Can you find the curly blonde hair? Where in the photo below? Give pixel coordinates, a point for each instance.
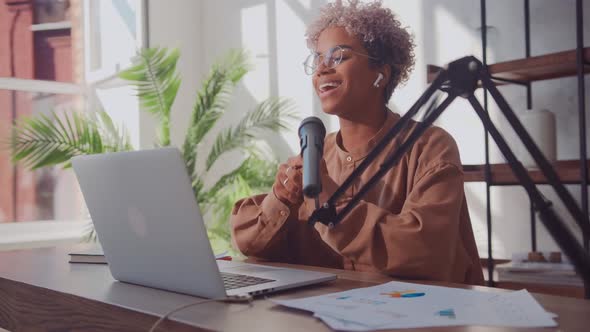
(380, 31)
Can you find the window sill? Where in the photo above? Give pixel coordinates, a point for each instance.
(51, 26)
(39, 234)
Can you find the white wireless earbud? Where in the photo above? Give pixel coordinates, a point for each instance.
(379, 78)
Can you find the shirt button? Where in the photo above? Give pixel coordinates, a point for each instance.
(349, 158)
(283, 213)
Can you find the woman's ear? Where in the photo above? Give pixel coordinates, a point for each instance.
(382, 76)
(377, 82)
(386, 71)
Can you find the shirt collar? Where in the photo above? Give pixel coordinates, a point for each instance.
(362, 151)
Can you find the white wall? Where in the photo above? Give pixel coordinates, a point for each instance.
(113, 31)
(272, 32)
(444, 30)
(176, 24)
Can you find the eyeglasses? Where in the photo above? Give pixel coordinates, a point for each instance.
(331, 59)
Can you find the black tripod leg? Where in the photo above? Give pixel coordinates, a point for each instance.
(542, 162)
(395, 157)
(393, 132)
(554, 224)
(327, 212)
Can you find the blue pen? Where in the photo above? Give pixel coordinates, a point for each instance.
(413, 295)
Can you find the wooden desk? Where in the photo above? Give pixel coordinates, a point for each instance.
(40, 290)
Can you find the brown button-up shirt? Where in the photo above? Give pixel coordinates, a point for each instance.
(413, 224)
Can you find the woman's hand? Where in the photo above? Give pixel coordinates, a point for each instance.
(288, 186)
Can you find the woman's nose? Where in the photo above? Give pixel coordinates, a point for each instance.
(322, 68)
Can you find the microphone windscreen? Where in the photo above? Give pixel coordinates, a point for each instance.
(311, 139)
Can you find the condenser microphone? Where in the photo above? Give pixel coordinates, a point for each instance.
(311, 139)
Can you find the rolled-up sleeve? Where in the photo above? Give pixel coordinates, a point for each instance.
(257, 226)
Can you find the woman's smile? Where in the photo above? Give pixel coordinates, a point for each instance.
(328, 88)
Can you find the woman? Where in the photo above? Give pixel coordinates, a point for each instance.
(414, 223)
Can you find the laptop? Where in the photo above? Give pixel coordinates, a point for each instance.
(152, 231)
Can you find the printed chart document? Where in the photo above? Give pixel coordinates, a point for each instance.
(407, 305)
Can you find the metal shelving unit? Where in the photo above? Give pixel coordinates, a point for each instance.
(524, 72)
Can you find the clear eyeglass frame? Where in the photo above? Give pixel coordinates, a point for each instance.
(331, 59)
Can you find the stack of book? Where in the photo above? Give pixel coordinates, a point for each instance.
(89, 254)
(524, 270)
(93, 254)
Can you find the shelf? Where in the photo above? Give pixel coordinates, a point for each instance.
(537, 68)
(552, 289)
(567, 170)
(559, 290)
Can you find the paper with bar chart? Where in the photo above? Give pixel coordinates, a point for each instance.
(406, 305)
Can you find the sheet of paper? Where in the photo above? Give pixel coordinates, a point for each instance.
(343, 325)
(405, 305)
(516, 308)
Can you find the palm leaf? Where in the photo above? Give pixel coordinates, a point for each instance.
(156, 80)
(47, 140)
(117, 138)
(212, 100)
(254, 176)
(256, 172)
(224, 201)
(272, 114)
(198, 189)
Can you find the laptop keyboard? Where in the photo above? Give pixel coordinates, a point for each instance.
(232, 280)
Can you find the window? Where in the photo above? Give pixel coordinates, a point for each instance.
(51, 11)
(62, 56)
(47, 193)
(113, 30)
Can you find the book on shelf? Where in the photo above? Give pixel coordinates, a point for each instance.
(522, 270)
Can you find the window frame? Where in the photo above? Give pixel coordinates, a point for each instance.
(106, 72)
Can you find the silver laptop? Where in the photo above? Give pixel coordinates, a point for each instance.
(153, 234)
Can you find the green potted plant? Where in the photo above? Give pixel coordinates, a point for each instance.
(42, 141)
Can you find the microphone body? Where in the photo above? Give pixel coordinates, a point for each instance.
(311, 139)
